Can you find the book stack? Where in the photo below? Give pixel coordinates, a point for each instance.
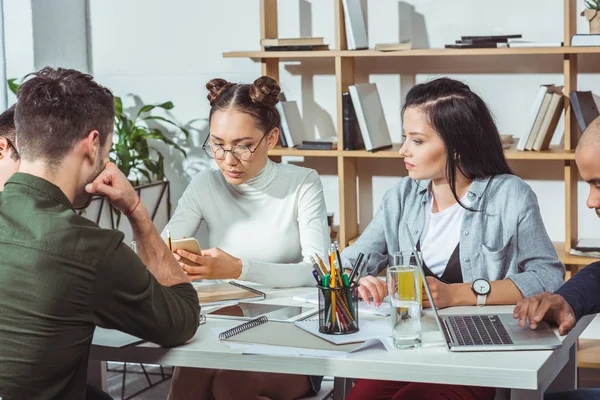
(329, 143)
(493, 41)
(543, 119)
(294, 44)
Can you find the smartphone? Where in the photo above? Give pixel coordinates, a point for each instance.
(187, 244)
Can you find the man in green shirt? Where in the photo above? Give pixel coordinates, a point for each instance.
(60, 274)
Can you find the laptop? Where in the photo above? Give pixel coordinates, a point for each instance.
(487, 332)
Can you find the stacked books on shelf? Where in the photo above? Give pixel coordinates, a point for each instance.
(587, 248)
(543, 119)
(494, 41)
(329, 143)
(580, 39)
(585, 107)
(294, 44)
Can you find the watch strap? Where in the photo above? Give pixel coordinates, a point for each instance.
(481, 299)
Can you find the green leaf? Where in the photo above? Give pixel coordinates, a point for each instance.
(13, 86)
(118, 107)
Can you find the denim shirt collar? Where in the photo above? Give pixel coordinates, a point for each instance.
(476, 189)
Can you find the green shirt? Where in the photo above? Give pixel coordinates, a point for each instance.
(60, 276)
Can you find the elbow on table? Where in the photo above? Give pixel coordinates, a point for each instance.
(176, 332)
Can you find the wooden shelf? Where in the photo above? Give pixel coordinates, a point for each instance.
(569, 259)
(531, 51)
(284, 151)
(554, 153)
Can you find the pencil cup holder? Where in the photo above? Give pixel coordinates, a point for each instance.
(338, 309)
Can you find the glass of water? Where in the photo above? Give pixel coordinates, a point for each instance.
(404, 287)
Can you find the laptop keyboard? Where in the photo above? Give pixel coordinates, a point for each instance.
(473, 330)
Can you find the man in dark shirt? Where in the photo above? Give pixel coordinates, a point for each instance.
(60, 274)
(580, 295)
(9, 158)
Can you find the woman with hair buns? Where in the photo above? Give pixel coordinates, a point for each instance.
(264, 220)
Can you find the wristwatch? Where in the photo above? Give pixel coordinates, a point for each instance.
(481, 287)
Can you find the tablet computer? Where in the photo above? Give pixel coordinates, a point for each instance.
(274, 312)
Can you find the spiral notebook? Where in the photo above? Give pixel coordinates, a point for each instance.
(227, 291)
(263, 331)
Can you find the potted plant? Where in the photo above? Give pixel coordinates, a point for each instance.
(592, 14)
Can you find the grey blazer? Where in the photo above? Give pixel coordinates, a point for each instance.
(504, 238)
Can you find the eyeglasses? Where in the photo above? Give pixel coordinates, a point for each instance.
(242, 153)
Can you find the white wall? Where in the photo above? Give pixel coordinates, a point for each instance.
(167, 51)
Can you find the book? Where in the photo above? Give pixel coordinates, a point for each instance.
(533, 112)
(539, 118)
(319, 144)
(584, 107)
(580, 39)
(227, 291)
(550, 121)
(523, 43)
(371, 119)
(356, 29)
(588, 245)
(291, 123)
(282, 141)
(309, 47)
(476, 45)
(350, 129)
(403, 45)
(301, 41)
(491, 38)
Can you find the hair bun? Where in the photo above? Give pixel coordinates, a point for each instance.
(215, 88)
(265, 92)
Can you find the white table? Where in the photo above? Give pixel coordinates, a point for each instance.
(528, 374)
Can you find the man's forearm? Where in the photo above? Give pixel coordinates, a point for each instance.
(153, 251)
(582, 291)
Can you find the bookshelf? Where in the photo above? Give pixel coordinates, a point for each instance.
(347, 161)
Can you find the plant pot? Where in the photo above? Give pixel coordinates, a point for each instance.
(593, 17)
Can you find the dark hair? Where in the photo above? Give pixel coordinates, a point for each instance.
(465, 124)
(257, 100)
(56, 108)
(8, 130)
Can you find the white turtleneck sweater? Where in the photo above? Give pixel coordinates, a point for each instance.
(273, 222)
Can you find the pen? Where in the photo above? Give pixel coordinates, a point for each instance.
(316, 275)
(356, 265)
(169, 239)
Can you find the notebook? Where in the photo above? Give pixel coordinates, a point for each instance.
(227, 291)
(263, 331)
(368, 329)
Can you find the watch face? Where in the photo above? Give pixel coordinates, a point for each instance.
(481, 286)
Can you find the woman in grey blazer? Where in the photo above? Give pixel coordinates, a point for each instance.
(472, 218)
